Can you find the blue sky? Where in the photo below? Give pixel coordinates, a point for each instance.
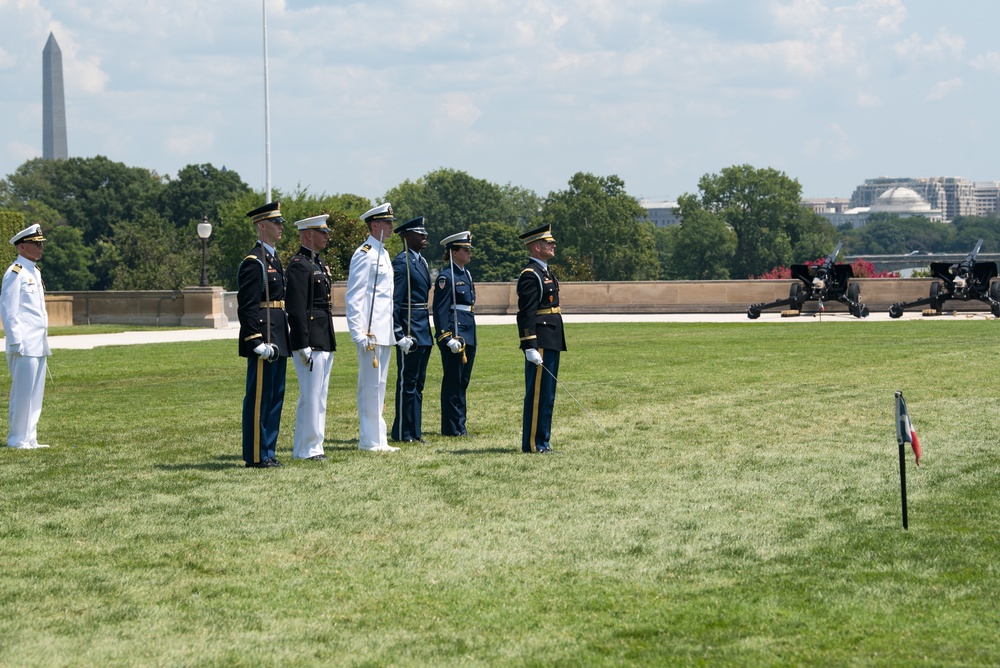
(365, 95)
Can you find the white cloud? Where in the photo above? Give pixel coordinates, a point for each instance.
(184, 142)
(944, 47)
(944, 89)
(868, 100)
(989, 62)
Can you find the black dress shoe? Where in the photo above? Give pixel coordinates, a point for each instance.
(415, 440)
(317, 458)
(265, 464)
(274, 462)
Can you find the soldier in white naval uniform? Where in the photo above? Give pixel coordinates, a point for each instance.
(368, 303)
(26, 327)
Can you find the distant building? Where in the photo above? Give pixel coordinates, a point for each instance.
(953, 196)
(54, 145)
(661, 214)
(898, 200)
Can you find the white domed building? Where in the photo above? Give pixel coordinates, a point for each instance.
(903, 202)
(897, 200)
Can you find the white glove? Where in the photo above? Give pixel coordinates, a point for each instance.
(533, 356)
(406, 343)
(367, 340)
(267, 351)
(305, 354)
(454, 345)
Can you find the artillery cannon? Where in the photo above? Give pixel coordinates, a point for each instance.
(964, 281)
(819, 283)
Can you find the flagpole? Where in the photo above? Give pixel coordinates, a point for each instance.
(267, 113)
(902, 466)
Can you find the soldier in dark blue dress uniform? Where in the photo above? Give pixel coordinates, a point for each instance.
(411, 320)
(263, 338)
(455, 330)
(540, 326)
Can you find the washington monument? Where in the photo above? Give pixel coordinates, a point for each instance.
(53, 103)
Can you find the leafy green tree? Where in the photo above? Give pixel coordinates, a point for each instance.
(760, 206)
(11, 222)
(969, 229)
(498, 254)
(600, 230)
(198, 191)
(151, 254)
(68, 262)
(452, 201)
(664, 238)
(812, 236)
(886, 233)
(701, 247)
(92, 194)
(233, 236)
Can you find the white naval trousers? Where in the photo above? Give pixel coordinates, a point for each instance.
(310, 411)
(371, 396)
(26, 391)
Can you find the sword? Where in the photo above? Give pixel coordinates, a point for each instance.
(566, 390)
(454, 304)
(371, 310)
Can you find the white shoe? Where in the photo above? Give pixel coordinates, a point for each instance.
(379, 448)
(39, 445)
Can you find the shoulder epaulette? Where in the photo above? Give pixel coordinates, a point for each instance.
(16, 268)
(366, 247)
(527, 269)
(250, 257)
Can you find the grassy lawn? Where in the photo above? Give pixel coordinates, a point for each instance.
(743, 511)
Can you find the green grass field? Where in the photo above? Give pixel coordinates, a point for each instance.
(743, 511)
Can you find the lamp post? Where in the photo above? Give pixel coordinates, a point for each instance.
(204, 232)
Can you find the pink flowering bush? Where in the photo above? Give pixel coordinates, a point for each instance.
(862, 269)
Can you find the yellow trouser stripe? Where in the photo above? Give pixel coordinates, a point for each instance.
(256, 410)
(534, 406)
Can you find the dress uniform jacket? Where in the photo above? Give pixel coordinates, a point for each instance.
(251, 296)
(310, 323)
(265, 382)
(539, 321)
(368, 259)
(410, 296)
(457, 374)
(370, 265)
(445, 315)
(26, 328)
(540, 326)
(309, 303)
(411, 318)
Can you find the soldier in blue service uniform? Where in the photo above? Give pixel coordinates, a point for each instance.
(411, 320)
(263, 338)
(310, 323)
(540, 326)
(455, 331)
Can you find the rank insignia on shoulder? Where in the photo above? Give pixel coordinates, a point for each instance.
(366, 247)
(442, 282)
(16, 268)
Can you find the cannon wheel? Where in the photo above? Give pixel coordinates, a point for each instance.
(895, 311)
(995, 291)
(935, 296)
(854, 292)
(795, 296)
(753, 312)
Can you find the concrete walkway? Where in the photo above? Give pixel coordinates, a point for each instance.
(89, 341)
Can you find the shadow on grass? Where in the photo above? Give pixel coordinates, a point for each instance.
(485, 451)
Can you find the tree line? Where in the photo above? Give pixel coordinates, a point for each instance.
(112, 226)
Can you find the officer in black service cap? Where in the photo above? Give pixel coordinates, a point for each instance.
(455, 330)
(540, 326)
(263, 338)
(411, 320)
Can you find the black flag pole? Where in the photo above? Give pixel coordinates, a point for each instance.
(900, 430)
